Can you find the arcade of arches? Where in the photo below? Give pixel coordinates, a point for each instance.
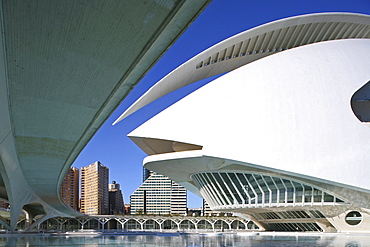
(146, 223)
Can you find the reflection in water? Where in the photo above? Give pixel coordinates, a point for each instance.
(192, 240)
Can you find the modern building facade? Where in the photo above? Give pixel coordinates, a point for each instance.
(283, 137)
(116, 205)
(4, 205)
(127, 208)
(178, 199)
(146, 174)
(159, 195)
(206, 209)
(70, 188)
(94, 189)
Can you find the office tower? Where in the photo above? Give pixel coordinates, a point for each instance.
(116, 205)
(158, 195)
(146, 173)
(70, 188)
(206, 209)
(127, 208)
(178, 199)
(4, 205)
(94, 189)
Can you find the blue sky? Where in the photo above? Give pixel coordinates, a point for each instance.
(220, 20)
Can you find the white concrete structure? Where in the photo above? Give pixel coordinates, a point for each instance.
(282, 139)
(149, 223)
(64, 67)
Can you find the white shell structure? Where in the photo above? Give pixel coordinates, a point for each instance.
(282, 139)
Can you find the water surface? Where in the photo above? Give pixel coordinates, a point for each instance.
(190, 240)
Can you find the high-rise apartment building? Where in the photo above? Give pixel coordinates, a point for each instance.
(116, 205)
(178, 199)
(127, 208)
(4, 205)
(158, 195)
(70, 188)
(94, 189)
(146, 174)
(206, 209)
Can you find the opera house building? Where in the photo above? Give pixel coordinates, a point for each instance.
(282, 135)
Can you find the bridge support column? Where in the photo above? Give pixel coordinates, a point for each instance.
(83, 222)
(4, 223)
(103, 221)
(122, 222)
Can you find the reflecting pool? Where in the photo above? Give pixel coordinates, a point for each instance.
(187, 240)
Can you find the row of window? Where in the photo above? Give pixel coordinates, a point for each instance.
(228, 189)
(298, 214)
(294, 227)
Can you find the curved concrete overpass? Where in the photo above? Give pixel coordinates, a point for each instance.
(64, 67)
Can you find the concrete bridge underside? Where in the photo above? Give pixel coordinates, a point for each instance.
(64, 67)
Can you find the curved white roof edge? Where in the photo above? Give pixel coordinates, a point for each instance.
(182, 165)
(254, 44)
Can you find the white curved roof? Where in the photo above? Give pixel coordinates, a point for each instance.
(254, 44)
(296, 117)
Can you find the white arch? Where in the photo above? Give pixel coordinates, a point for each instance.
(254, 44)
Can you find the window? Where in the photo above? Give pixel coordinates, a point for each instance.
(353, 218)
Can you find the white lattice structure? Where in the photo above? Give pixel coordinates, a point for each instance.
(150, 223)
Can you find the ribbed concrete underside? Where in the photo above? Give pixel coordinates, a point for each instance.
(65, 66)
